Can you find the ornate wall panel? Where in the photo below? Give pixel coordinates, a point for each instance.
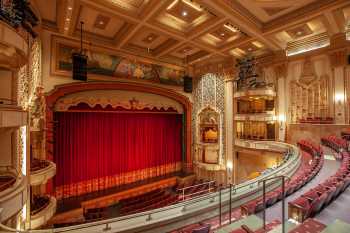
(22, 92)
(310, 90)
(209, 91)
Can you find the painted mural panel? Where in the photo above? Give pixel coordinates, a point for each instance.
(116, 66)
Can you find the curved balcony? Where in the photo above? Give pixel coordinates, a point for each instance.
(261, 145)
(12, 117)
(210, 167)
(269, 116)
(13, 198)
(268, 91)
(6, 181)
(14, 48)
(42, 209)
(41, 171)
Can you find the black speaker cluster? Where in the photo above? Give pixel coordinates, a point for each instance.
(187, 84)
(79, 66)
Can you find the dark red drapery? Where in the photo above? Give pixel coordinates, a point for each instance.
(98, 150)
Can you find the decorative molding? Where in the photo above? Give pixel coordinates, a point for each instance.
(281, 70)
(223, 67)
(43, 175)
(338, 57)
(117, 98)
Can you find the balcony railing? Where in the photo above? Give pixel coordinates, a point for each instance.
(41, 171)
(234, 194)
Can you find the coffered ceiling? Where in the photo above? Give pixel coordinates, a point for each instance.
(184, 32)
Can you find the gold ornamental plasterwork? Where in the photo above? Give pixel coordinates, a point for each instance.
(309, 94)
(338, 58)
(118, 98)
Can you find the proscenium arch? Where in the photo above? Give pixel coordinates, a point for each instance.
(66, 89)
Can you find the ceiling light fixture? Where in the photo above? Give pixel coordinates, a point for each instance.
(299, 33)
(101, 22)
(250, 49)
(191, 4)
(231, 28)
(67, 19)
(172, 4)
(222, 34)
(70, 8)
(184, 13)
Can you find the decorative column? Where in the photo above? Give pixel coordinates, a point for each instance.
(229, 129)
(338, 64)
(281, 105)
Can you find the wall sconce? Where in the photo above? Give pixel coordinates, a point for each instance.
(281, 119)
(339, 98)
(229, 166)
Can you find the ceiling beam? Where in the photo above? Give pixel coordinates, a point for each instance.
(75, 15)
(330, 23)
(306, 13)
(154, 7)
(202, 30)
(246, 24)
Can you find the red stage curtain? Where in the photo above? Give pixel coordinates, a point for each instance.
(98, 150)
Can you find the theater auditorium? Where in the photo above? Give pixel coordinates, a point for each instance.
(175, 116)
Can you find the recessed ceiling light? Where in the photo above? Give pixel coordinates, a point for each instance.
(222, 34)
(70, 8)
(184, 13)
(150, 38)
(67, 19)
(299, 33)
(101, 22)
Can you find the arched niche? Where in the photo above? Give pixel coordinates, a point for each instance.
(208, 136)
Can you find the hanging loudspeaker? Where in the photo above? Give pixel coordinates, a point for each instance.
(187, 84)
(79, 67)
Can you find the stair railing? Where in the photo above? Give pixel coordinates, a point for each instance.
(283, 179)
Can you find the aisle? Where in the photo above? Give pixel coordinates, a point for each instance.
(329, 167)
(338, 209)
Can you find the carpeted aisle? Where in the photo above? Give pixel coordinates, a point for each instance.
(338, 209)
(329, 167)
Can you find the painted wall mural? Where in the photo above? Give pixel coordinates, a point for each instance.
(100, 63)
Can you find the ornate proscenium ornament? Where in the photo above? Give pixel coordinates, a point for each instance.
(18, 13)
(247, 75)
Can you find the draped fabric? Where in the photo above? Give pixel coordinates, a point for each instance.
(98, 150)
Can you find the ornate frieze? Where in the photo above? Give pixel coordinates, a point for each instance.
(118, 98)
